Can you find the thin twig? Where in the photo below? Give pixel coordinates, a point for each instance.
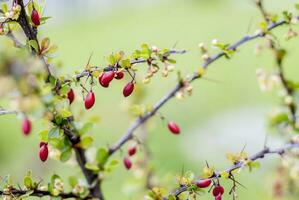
(142, 119)
(40, 193)
(259, 155)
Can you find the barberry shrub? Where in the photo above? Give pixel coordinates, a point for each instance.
(39, 94)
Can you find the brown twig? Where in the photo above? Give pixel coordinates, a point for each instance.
(241, 164)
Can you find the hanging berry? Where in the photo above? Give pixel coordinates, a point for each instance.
(43, 152)
(204, 183)
(128, 89)
(174, 128)
(106, 78)
(89, 100)
(132, 151)
(127, 163)
(71, 95)
(26, 126)
(119, 75)
(218, 190)
(35, 17)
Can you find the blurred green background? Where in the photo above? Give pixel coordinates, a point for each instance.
(218, 118)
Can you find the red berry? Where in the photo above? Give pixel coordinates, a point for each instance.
(119, 75)
(128, 89)
(42, 144)
(218, 190)
(204, 183)
(89, 100)
(100, 78)
(173, 127)
(132, 151)
(71, 96)
(43, 152)
(106, 78)
(26, 126)
(35, 17)
(219, 197)
(127, 163)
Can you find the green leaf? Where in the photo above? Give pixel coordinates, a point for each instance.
(172, 61)
(189, 175)
(34, 45)
(28, 182)
(92, 167)
(45, 43)
(111, 59)
(73, 181)
(126, 63)
(4, 7)
(66, 155)
(86, 142)
(279, 118)
(86, 127)
(44, 19)
(171, 197)
(51, 50)
(297, 6)
(111, 165)
(54, 133)
(65, 113)
(43, 135)
(102, 156)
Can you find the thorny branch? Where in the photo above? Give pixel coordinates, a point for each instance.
(93, 179)
(142, 119)
(259, 155)
(38, 193)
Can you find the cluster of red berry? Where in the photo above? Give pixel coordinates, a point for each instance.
(104, 79)
(127, 162)
(218, 190)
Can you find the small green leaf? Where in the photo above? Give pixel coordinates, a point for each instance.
(92, 167)
(4, 7)
(86, 142)
(54, 133)
(28, 182)
(34, 45)
(43, 135)
(51, 50)
(86, 127)
(73, 181)
(65, 113)
(66, 155)
(45, 43)
(102, 156)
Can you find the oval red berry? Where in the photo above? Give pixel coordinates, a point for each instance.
(106, 78)
(174, 128)
(204, 183)
(35, 17)
(26, 126)
(218, 190)
(132, 151)
(127, 163)
(128, 89)
(71, 96)
(89, 100)
(119, 75)
(43, 153)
